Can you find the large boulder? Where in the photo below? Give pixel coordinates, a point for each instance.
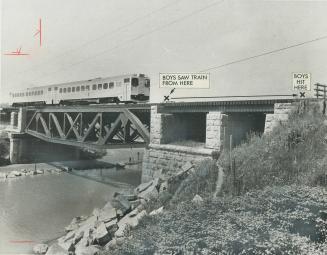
(75, 223)
(101, 235)
(157, 211)
(128, 195)
(112, 226)
(122, 204)
(89, 250)
(40, 248)
(142, 187)
(107, 214)
(130, 220)
(39, 171)
(56, 249)
(135, 203)
(71, 238)
(111, 245)
(14, 174)
(149, 194)
(96, 212)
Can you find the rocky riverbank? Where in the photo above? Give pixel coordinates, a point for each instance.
(27, 172)
(109, 227)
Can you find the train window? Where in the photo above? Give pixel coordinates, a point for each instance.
(60, 90)
(94, 86)
(77, 88)
(99, 86)
(147, 83)
(126, 80)
(87, 87)
(105, 85)
(111, 85)
(135, 82)
(41, 92)
(69, 89)
(82, 88)
(65, 90)
(55, 88)
(26, 94)
(49, 89)
(73, 89)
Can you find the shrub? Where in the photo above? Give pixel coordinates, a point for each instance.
(292, 153)
(201, 181)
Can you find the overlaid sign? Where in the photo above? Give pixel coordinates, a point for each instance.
(184, 80)
(301, 81)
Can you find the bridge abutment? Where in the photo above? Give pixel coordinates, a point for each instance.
(202, 133)
(280, 115)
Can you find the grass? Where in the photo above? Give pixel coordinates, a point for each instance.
(293, 153)
(276, 220)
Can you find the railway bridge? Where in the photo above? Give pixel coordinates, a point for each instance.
(173, 132)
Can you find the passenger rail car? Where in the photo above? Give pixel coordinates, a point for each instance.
(124, 88)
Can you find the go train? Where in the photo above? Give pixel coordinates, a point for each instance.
(125, 88)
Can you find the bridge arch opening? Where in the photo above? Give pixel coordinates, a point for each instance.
(241, 125)
(186, 129)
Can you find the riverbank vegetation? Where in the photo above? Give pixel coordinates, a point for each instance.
(273, 198)
(4, 151)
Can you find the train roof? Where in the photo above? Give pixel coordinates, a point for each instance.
(94, 79)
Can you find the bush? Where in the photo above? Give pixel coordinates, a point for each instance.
(4, 151)
(201, 181)
(292, 153)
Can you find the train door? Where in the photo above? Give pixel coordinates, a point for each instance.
(125, 92)
(54, 93)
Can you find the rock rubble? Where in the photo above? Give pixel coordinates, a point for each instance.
(108, 227)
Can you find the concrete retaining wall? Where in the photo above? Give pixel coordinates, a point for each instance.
(164, 160)
(280, 115)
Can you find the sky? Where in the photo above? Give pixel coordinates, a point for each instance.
(84, 39)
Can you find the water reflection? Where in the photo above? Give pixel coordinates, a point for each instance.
(36, 209)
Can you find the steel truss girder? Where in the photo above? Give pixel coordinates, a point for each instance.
(95, 130)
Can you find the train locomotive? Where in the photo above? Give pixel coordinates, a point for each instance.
(132, 88)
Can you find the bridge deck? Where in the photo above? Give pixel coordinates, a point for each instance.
(263, 105)
(89, 108)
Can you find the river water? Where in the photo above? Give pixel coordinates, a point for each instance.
(36, 209)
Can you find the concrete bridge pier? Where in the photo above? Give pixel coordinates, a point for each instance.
(19, 146)
(216, 130)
